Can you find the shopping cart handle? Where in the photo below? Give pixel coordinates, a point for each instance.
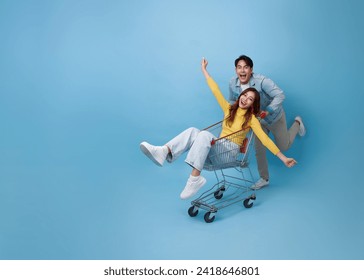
(263, 114)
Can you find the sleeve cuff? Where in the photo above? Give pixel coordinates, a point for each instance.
(270, 109)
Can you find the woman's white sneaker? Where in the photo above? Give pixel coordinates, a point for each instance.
(157, 154)
(194, 184)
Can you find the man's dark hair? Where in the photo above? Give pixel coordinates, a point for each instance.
(247, 60)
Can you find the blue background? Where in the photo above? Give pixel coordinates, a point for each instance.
(84, 82)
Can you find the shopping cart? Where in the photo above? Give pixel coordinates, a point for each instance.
(230, 163)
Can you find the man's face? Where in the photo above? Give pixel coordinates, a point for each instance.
(243, 71)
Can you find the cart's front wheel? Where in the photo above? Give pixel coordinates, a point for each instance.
(193, 211)
(209, 217)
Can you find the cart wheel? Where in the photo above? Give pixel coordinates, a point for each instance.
(192, 212)
(247, 203)
(209, 219)
(218, 194)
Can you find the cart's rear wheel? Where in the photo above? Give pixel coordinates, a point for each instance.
(193, 211)
(209, 217)
(219, 193)
(247, 203)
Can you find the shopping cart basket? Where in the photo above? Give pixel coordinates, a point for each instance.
(230, 163)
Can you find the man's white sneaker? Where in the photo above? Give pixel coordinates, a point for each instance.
(194, 184)
(157, 154)
(260, 184)
(302, 130)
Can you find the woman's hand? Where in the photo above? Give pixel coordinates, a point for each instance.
(204, 63)
(289, 162)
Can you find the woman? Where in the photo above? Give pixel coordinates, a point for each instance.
(239, 116)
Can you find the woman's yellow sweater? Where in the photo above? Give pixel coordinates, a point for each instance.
(239, 120)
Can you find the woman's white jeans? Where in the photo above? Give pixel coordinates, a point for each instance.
(198, 144)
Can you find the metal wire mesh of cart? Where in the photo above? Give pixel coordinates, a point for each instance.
(229, 159)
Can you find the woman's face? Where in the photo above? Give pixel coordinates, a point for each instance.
(246, 100)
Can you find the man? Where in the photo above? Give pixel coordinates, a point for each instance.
(271, 103)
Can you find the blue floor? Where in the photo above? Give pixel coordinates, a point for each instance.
(94, 209)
